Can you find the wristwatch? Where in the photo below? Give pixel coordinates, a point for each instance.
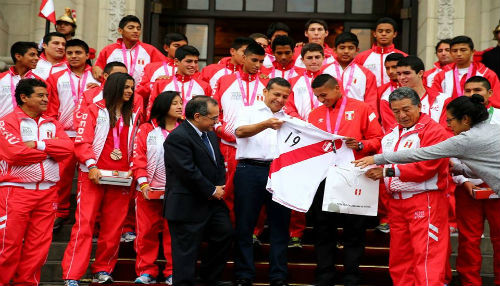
(389, 172)
(360, 146)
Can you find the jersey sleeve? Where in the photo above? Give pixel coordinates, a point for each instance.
(53, 105)
(13, 150)
(140, 157)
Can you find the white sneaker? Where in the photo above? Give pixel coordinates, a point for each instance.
(169, 280)
(145, 279)
(103, 278)
(128, 237)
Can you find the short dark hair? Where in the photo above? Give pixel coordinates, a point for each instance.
(279, 81)
(404, 92)
(78, 43)
(277, 26)
(311, 47)
(198, 104)
(48, 37)
(21, 48)
(174, 37)
(316, 21)
(347, 37)
(471, 106)
(282, 41)
(255, 49)
(414, 62)
(161, 106)
(394, 57)
(324, 79)
(27, 86)
(443, 41)
(127, 19)
(387, 20)
(109, 66)
(462, 40)
(484, 81)
(256, 36)
(186, 50)
(241, 41)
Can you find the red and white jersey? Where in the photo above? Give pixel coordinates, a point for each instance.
(358, 82)
(31, 168)
(288, 72)
(269, 57)
(92, 131)
(213, 72)
(374, 58)
(302, 99)
(451, 81)
(328, 52)
(65, 90)
(8, 83)
(135, 58)
(355, 119)
(430, 74)
(387, 118)
(233, 92)
(148, 164)
(153, 71)
(187, 86)
(44, 68)
(415, 178)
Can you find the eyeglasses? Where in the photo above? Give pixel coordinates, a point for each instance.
(214, 118)
(449, 120)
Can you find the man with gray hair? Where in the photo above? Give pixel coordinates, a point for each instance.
(418, 214)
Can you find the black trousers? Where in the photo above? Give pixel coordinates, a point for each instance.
(325, 242)
(249, 195)
(186, 237)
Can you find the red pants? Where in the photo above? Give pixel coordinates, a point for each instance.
(63, 187)
(25, 215)
(130, 220)
(452, 218)
(229, 153)
(150, 222)
(112, 203)
(419, 239)
(471, 214)
(383, 204)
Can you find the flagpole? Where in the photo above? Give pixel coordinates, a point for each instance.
(47, 27)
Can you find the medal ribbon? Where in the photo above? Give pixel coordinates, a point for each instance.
(81, 81)
(117, 130)
(133, 59)
(458, 87)
(245, 95)
(184, 96)
(314, 103)
(13, 90)
(165, 67)
(339, 117)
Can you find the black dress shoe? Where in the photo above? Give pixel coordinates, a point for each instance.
(243, 282)
(223, 283)
(279, 283)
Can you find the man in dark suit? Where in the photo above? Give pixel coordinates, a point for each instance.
(194, 208)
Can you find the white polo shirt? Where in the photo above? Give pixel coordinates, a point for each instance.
(264, 145)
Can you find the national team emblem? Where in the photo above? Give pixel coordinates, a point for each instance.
(50, 134)
(357, 192)
(408, 144)
(327, 146)
(320, 120)
(349, 115)
(354, 81)
(141, 62)
(260, 97)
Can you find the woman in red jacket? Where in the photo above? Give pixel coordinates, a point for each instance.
(149, 171)
(104, 140)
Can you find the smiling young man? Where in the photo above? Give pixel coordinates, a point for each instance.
(32, 145)
(65, 92)
(25, 57)
(283, 64)
(316, 32)
(451, 81)
(256, 134)
(129, 50)
(184, 82)
(444, 58)
(384, 34)
(234, 91)
(52, 58)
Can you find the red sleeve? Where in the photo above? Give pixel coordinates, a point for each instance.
(144, 87)
(372, 133)
(53, 105)
(436, 84)
(371, 96)
(222, 130)
(290, 107)
(154, 53)
(386, 115)
(140, 158)
(423, 171)
(361, 57)
(158, 87)
(85, 134)
(61, 147)
(494, 100)
(13, 150)
(103, 57)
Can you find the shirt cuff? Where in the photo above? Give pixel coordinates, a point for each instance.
(397, 172)
(215, 190)
(90, 162)
(141, 180)
(40, 145)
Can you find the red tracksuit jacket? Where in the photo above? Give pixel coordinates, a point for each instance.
(8, 82)
(374, 58)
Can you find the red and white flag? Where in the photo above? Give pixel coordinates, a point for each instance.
(47, 11)
(306, 152)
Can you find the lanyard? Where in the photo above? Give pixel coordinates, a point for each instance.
(77, 94)
(339, 116)
(117, 130)
(314, 103)
(244, 95)
(133, 59)
(186, 96)
(13, 90)
(457, 80)
(165, 67)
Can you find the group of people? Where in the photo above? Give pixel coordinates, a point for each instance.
(199, 147)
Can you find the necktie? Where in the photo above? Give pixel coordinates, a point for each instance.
(204, 137)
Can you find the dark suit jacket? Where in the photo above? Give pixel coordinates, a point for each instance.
(191, 174)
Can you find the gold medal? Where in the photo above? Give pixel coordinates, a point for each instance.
(116, 154)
